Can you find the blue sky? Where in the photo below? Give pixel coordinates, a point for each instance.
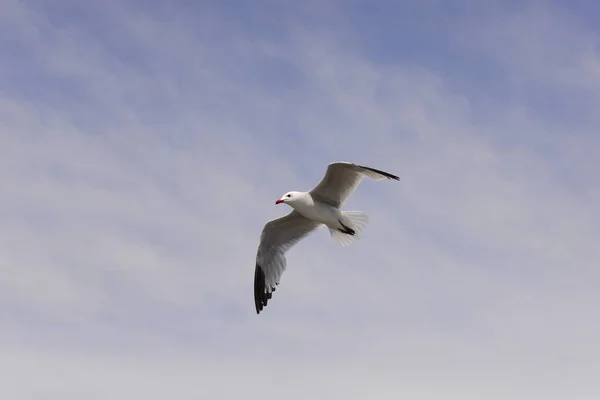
(142, 145)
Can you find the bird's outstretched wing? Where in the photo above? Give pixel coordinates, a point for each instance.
(278, 236)
(341, 179)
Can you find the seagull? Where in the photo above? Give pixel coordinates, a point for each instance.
(320, 206)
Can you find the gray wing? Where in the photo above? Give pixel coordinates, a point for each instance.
(278, 236)
(341, 179)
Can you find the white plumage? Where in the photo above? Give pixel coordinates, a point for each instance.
(320, 206)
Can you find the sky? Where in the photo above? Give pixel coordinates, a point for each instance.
(142, 147)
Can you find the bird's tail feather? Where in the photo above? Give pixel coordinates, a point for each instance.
(356, 221)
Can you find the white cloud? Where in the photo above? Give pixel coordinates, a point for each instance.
(132, 199)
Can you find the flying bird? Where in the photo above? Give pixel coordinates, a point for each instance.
(320, 206)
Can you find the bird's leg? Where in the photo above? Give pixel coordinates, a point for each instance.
(347, 229)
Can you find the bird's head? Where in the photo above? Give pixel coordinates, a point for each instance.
(288, 198)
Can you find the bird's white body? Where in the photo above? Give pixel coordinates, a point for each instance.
(316, 211)
(320, 206)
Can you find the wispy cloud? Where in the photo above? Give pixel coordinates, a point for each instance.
(141, 149)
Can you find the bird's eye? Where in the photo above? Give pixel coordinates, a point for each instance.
(289, 195)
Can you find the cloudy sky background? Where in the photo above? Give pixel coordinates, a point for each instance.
(142, 145)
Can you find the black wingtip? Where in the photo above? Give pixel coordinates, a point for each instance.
(261, 297)
(386, 174)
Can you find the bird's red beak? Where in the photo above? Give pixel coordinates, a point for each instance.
(279, 201)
